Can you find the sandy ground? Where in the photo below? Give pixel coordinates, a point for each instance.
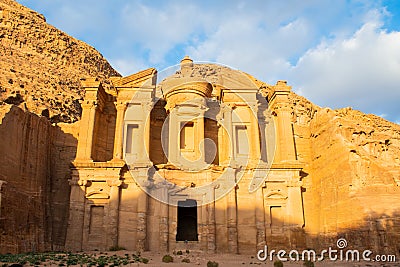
(225, 260)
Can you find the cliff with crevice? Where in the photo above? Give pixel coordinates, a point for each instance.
(40, 97)
(34, 173)
(41, 66)
(351, 175)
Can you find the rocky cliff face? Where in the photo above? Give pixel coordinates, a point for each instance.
(41, 66)
(40, 75)
(34, 172)
(351, 160)
(352, 172)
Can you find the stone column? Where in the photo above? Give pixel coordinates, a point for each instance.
(86, 132)
(295, 204)
(199, 143)
(254, 137)
(227, 124)
(147, 110)
(173, 142)
(141, 234)
(203, 227)
(232, 216)
(76, 220)
(119, 124)
(285, 133)
(260, 220)
(142, 222)
(113, 215)
(280, 105)
(212, 229)
(164, 227)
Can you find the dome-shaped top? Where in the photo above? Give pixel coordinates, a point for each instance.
(188, 85)
(195, 76)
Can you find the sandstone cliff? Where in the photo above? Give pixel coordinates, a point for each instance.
(351, 160)
(34, 171)
(40, 75)
(41, 66)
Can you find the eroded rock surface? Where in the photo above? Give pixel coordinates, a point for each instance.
(41, 66)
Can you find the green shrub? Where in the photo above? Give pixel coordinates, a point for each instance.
(145, 260)
(308, 263)
(116, 248)
(186, 260)
(187, 251)
(278, 264)
(179, 252)
(212, 264)
(167, 258)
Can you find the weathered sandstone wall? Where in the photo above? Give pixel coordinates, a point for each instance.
(352, 167)
(34, 168)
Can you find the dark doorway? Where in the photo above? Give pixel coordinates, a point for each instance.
(187, 221)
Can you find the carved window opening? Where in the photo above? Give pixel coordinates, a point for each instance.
(187, 221)
(187, 136)
(132, 135)
(242, 141)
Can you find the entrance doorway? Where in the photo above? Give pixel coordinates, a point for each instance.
(187, 221)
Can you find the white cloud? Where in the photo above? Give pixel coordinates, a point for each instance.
(334, 53)
(361, 71)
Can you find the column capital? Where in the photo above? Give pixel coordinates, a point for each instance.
(79, 182)
(282, 107)
(112, 183)
(121, 105)
(83, 183)
(89, 104)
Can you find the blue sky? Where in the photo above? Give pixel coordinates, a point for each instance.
(337, 53)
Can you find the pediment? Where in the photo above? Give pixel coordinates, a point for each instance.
(139, 79)
(237, 80)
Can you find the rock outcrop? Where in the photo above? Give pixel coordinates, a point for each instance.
(41, 66)
(40, 73)
(351, 178)
(34, 173)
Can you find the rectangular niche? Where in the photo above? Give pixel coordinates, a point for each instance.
(132, 135)
(242, 140)
(96, 224)
(187, 136)
(276, 219)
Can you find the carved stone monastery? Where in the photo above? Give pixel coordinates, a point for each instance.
(203, 158)
(206, 164)
(193, 148)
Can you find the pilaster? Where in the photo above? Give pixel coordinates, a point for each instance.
(279, 105)
(95, 98)
(113, 215)
(76, 220)
(118, 150)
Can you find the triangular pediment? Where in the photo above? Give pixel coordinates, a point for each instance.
(136, 80)
(239, 81)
